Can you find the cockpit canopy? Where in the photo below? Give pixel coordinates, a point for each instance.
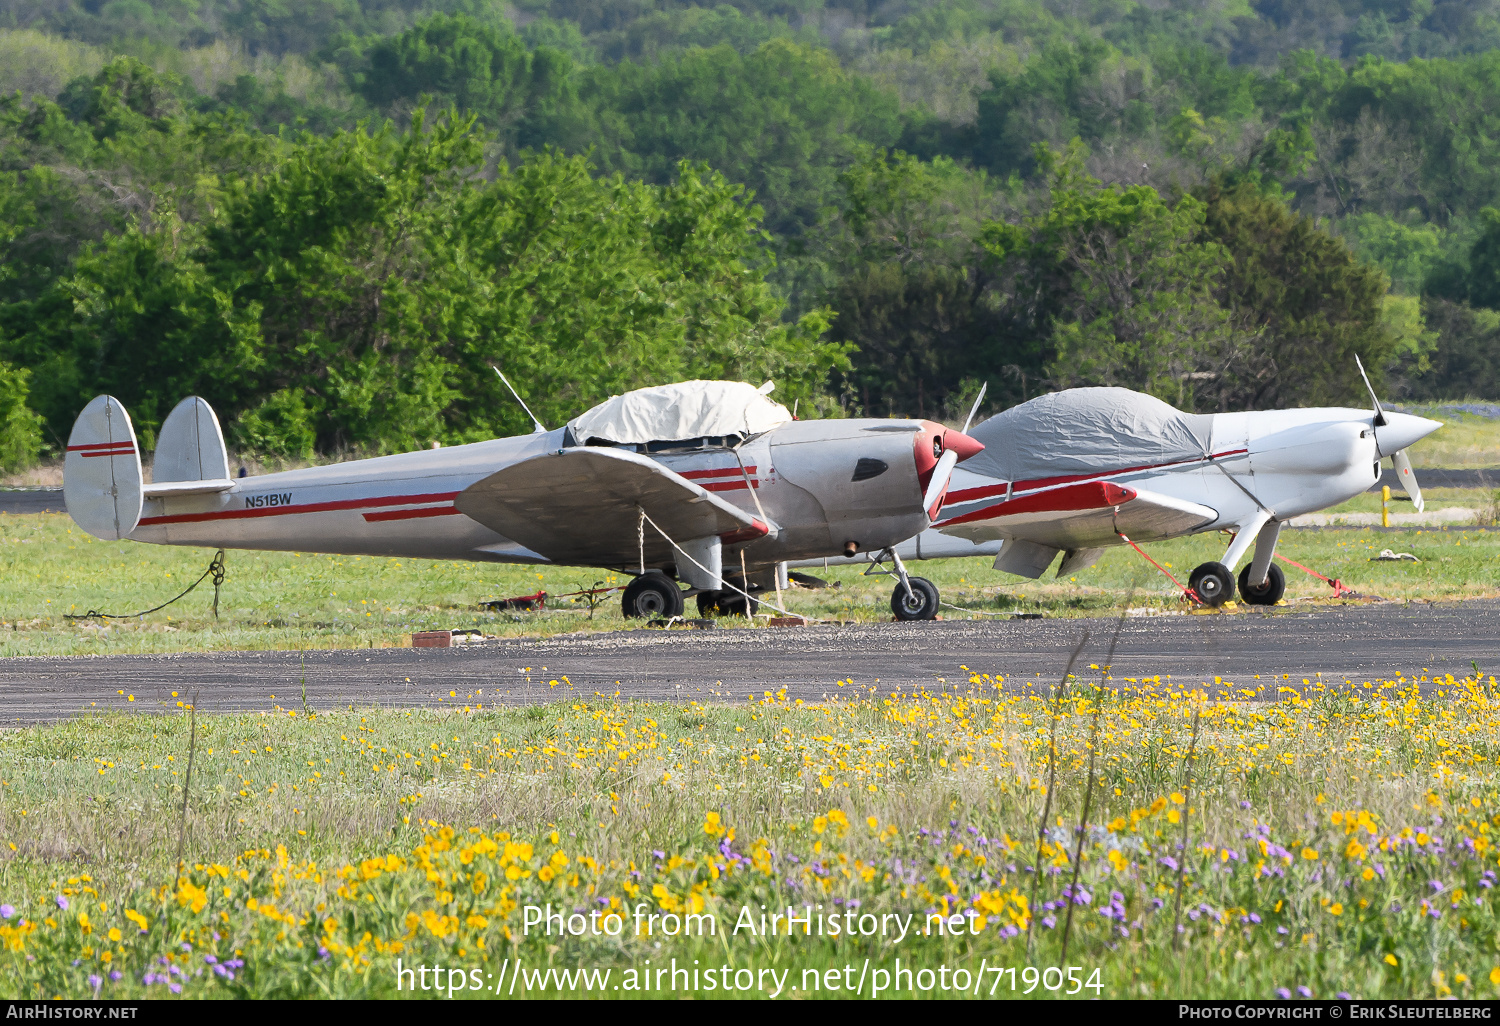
(681, 416)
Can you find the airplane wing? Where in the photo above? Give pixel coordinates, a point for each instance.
(1077, 516)
(582, 506)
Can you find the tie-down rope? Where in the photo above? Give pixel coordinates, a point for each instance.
(215, 568)
(646, 519)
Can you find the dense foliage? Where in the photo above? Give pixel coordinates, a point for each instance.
(330, 218)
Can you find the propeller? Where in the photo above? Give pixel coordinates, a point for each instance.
(953, 451)
(939, 483)
(1402, 463)
(1399, 459)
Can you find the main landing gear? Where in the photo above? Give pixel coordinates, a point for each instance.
(653, 594)
(1212, 583)
(915, 598)
(728, 602)
(1267, 594)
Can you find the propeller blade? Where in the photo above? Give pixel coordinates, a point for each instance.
(939, 483)
(1408, 480)
(982, 389)
(1379, 411)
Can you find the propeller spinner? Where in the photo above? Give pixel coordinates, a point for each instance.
(950, 448)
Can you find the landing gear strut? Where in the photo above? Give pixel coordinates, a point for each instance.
(1212, 583)
(1267, 594)
(915, 598)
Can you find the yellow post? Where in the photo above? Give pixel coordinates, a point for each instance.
(1385, 505)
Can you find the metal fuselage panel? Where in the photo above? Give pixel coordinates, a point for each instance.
(403, 505)
(387, 506)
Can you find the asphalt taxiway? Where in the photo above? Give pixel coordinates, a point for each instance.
(1356, 641)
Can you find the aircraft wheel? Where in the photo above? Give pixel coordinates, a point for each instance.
(725, 603)
(921, 604)
(1213, 583)
(1267, 594)
(652, 594)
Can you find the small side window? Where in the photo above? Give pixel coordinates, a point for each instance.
(867, 468)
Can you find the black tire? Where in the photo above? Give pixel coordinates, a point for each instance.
(1267, 594)
(921, 604)
(725, 603)
(652, 594)
(1212, 583)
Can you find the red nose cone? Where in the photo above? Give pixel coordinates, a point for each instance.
(955, 441)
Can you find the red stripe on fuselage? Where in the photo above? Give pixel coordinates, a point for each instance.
(411, 514)
(1068, 499)
(986, 491)
(695, 475)
(310, 507)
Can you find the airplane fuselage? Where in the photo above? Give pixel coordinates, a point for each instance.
(804, 475)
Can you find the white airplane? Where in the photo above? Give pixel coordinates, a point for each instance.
(1077, 471)
(701, 480)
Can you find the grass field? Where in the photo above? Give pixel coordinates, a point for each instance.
(284, 600)
(1293, 838)
(1466, 441)
(1305, 839)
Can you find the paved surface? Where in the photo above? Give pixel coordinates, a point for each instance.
(1436, 477)
(33, 500)
(1355, 640)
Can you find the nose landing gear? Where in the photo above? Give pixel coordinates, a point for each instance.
(915, 598)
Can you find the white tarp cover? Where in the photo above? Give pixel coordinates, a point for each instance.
(680, 411)
(1087, 431)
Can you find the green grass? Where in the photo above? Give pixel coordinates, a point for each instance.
(286, 600)
(317, 851)
(1465, 441)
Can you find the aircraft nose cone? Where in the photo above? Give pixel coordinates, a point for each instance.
(1401, 430)
(962, 444)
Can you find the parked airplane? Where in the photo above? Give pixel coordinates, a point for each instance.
(1077, 471)
(700, 480)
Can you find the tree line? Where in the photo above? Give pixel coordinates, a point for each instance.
(336, 233)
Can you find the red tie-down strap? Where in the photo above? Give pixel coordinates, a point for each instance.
(1339, 590)
(1187, 593)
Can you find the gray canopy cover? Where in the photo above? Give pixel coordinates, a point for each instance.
(1087, 431)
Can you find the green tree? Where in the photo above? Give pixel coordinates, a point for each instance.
(484, 69)
(1123, 284)
(1300, 290)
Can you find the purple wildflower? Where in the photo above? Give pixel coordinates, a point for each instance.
(1305, 992)
(62, 903)
(1283, 993)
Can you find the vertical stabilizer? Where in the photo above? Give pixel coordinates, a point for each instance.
(190, 446)
(102, 471)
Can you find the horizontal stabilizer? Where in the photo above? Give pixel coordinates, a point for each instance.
(582, 507)
(102, 471)
(160, 490)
